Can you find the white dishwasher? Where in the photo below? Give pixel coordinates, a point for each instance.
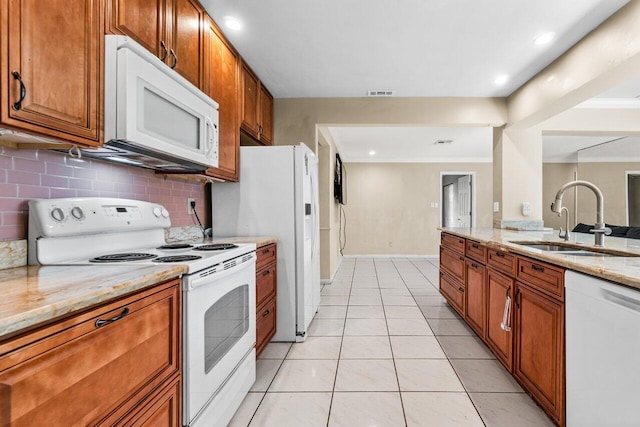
(603, 352)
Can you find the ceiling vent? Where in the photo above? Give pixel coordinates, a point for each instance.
(381, 93)
(443, 141)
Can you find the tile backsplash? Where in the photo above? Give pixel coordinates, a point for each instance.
(29, 174)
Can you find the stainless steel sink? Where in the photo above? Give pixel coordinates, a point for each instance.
(574, 249)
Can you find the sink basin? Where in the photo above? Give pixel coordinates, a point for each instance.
(574, 250)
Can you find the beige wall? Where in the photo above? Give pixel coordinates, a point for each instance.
(610, 178)
(390, 203)
(555, 175)
(329, 226)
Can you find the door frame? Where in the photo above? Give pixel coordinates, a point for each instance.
(474, 184)
(626, 192)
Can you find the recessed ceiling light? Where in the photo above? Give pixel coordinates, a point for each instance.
(544, 39)
(501, 79)
(372, 153)
(232, 23)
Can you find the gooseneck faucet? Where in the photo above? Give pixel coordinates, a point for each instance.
(600, 230)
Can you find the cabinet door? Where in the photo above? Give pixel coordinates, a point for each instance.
(84, 370)
(250, 88)
(476, 310)
(162, 409)
(266, 320)
(221, 84)
(266, 116)
(185, 49)
(55, 48)
(539, 352)
(145, 21)
(500, 341)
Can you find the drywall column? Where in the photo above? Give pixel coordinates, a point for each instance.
(517, 176)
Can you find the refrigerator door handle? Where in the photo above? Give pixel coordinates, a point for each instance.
(315, 216)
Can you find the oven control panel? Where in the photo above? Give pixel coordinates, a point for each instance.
(90, 215)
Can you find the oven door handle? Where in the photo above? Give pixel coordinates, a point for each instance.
(196, 280)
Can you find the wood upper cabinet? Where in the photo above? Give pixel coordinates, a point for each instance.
(499, 287)
(221, 83)
(475, 295)
(266, 116)
(51, 68)
(539, 348)
(257, 107)
(172, 29)
(250, 102)
(97, 367)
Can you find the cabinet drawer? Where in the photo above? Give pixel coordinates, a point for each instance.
(266, 255)
(162, 409)
(265, 284)
(452, 263)
(453, 291)
(79, 374)
(453, 242)
(502, 261)
(476, 251)
(266, 325)
(545, 277)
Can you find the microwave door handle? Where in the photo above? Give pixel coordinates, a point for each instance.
(211, 136)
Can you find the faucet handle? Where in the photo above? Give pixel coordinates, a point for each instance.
(605, 230)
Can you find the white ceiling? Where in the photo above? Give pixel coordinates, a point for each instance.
(571, 149)
(334, 48)
(413, 144)
(337, 48)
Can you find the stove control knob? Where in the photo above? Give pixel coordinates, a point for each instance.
(57, 214)
(77, 213)
(165, 213)
(157, 212)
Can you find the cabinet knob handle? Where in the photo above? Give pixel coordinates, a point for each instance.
(23, 91)
(175, 59)
(461, 258)
(265, 251)
(500, 254)
(266, 313)
(474, 265)
(474, 246)
(461, 289)
(104, 322)
(265, 273)
(165, 51)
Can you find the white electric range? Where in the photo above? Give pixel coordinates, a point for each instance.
(218, 289)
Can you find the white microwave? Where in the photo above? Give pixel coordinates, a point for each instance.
(154, 117)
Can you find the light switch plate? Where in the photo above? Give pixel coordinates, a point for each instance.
(496, 206)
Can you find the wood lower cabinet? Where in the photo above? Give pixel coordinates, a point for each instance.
(499, 288)
(221, 83)
(266, 295)
(532, 347)
(51, 68)
(475, 297)
(539, 348)
(102, 367)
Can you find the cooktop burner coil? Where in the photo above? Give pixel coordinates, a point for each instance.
(176, 246)
(177, 258)
(216, 247)
(123, 257)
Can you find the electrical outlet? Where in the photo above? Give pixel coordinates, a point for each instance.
(526, 208)
(190, 201)
(496, 206)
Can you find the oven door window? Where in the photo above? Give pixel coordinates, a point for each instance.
(225, 322)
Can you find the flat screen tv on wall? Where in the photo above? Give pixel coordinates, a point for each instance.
(340, 182)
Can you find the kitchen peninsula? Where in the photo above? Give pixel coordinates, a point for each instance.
(513, 289)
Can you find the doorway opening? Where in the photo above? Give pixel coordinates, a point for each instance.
(457, 199)
(633, 198)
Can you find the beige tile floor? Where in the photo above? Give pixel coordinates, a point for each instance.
(385, 350)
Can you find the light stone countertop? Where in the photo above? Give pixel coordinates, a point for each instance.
(35, 295)
(623, 270)
(260, 241)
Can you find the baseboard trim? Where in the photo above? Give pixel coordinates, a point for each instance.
(390, 256)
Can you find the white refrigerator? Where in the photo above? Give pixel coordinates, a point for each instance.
(277, 195)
